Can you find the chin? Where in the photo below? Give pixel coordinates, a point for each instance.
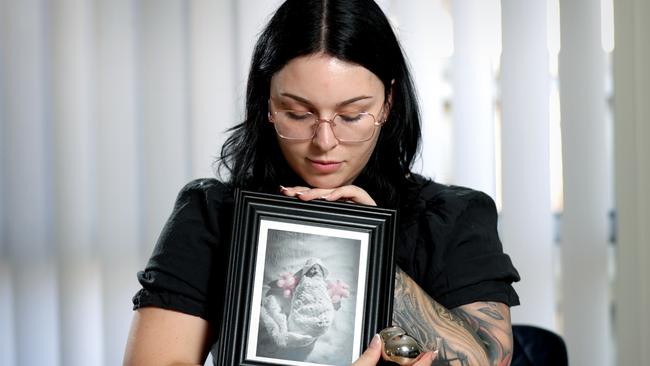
(325, 182)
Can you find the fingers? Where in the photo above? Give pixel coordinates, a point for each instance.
(348, 193)
(372, 354)
(351, 193)
(293, 191)
(305, 193)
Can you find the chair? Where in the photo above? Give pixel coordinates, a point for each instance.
(534, 346)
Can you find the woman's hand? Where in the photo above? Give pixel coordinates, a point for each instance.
(372, 355)
(349, 193)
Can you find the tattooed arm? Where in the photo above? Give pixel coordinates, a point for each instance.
(479, 333)
(491, 322)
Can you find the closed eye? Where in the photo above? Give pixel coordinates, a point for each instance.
(351, 118)
(298, 116)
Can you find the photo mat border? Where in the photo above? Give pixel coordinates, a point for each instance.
(361, 237)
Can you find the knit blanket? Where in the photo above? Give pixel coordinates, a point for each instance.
(312, 311)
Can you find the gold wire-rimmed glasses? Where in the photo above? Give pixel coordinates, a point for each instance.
(354, 127)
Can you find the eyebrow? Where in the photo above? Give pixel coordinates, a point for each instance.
(338, 105)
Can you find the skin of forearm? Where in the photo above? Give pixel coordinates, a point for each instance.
(491, 322)
(434, 326)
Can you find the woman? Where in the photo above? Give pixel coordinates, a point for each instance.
(331, 114)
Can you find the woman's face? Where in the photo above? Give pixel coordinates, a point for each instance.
(324, 86)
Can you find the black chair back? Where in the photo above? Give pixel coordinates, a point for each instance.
(534, 346)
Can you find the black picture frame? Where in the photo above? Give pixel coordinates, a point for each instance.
(340, 240)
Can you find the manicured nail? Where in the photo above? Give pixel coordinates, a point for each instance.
(283, 188)
(376, 342)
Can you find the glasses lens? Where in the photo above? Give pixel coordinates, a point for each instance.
(295, 125)
(354, 127)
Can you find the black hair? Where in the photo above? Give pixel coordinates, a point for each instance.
(355, 31)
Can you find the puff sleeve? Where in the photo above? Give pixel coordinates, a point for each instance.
(185, 270)
(452, 248)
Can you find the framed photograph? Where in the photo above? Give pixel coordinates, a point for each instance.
(308, 283)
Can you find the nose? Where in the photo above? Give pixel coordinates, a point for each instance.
(324, 138)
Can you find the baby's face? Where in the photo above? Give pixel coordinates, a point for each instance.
(314, 270)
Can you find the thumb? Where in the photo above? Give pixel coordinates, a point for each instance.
(372, 354)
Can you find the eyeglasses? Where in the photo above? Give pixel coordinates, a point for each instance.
(302, 126)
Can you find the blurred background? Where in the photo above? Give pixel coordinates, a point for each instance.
(107, 107)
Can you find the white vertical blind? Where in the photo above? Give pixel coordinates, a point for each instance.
(585, 293)
(525, 159)
(632, 161)
(119, 173)
(163, 49)
(424, 27)
(473, 96)
(80, 289)
(73, 102)
(72, 114)
(7, 344)
(28, 182)
(213, 96)
(36, 312)
(7, 317)
(28, 227)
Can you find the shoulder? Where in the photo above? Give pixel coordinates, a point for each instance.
(205, 200)
(210, 187)
(204, 191)
(449, 203)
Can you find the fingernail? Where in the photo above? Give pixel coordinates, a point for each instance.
(323, 197)
(283, 188)
(299, 193)
(376, 342)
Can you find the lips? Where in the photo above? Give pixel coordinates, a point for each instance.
(325, 166)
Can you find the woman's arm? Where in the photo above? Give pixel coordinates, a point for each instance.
(165, 337)
(475, 334)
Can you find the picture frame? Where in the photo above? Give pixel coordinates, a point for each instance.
(308, 282)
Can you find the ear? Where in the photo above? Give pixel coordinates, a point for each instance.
(388, 103)
(268, 113)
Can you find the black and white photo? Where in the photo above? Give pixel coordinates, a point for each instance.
(309, 286)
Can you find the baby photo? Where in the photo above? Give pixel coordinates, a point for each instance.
(309, 301)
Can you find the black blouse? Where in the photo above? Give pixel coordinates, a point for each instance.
(448, 243)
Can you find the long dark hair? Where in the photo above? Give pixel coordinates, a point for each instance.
(355, 31)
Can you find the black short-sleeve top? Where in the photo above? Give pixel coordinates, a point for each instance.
(448, 243)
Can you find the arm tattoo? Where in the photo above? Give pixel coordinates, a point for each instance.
(435, 326)
(494, 333)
